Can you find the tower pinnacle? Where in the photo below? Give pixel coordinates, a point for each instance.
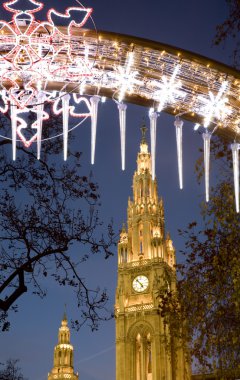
(146, 259)
(144, 130)
(63, 355)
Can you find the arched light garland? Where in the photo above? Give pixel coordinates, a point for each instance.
(44, 62)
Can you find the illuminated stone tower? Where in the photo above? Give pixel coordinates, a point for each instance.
(63, 355)
(146, 259)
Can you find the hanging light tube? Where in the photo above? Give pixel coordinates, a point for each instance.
(65, 111)
(235, 148)
(178, 124)
(206, 140)
(94, 112)
(122, 122)
(153, 129)
(40, 107)
(14, 128)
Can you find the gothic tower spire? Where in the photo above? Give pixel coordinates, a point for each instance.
(63, 355)
(146, 259)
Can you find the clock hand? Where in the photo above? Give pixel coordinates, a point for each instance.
(139, 282)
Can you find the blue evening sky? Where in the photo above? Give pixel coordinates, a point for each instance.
(188, 24)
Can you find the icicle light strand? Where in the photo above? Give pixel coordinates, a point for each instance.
(122, 121)
(235, 154)
(65, 110)
(153, 129)
(206, 140)
(178, 124)
(14, 129)
(94, 113)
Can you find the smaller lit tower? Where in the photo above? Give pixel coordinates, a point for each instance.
(63, 355)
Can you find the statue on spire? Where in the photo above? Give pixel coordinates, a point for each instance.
(144, 130)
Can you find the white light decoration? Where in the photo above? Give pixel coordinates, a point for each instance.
(126, 78)
(44, 63)
(39, 122)
(196, 127)
(214, 107)
(168, 91)
(153, 129)
(31, 58)
(122, 122)
(14, 129)
(65, 111)
(206, 141)
(94, 112)
(235, 154)
(178, 124)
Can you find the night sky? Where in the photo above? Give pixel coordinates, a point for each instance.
(187, 24)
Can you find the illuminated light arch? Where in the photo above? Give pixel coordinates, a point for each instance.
(41, 62)
(197, 77)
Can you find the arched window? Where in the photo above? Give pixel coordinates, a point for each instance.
(148, 188)
(59, 355)
(125, 255)
(143, 356)
(149, 357)
(121, 256)
(141, 188)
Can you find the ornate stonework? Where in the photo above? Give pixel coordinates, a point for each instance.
(63, 355)
(146, 259)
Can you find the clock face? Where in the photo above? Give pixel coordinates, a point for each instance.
(140, 283)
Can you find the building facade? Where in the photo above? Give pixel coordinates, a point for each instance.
(146, 258)
(63, 355)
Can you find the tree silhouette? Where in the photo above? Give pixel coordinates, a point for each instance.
(11, 371)
(229, 30)
(48, 212)
(205, 311)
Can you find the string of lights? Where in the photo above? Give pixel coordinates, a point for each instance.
(59, 62)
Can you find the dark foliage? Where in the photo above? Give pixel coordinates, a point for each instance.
(11, 371)
(207, 318)
(230, 29)
(49, 225)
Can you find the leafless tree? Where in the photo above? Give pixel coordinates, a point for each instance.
(49, 225)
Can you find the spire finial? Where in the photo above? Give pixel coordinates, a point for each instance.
(124, 227)
(65, 312)
(143, 129)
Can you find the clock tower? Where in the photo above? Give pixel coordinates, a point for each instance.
(146, 258)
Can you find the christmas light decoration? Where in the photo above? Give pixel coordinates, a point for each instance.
(94, 112)
(122, 121)
(31, 57)
(39, 122)
(14, 129)
(206, 140)
(178, 124)
(46, 63)
(168, 90)
(215, 106)
(65, 111)
(153, 129)
(235, 154)
(125, 77)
